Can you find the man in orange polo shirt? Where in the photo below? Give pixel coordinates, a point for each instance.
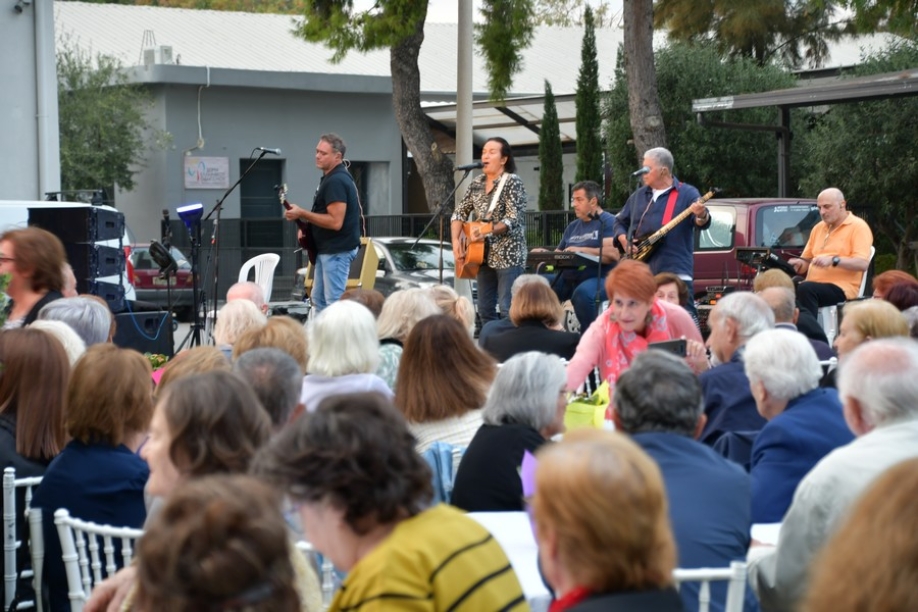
(836, 255)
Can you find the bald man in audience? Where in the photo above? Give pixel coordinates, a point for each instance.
(878, 386)
(783, 303)
(248, 291)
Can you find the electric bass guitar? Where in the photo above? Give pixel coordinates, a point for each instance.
(474, 252)
(305, 239)
(645, 245)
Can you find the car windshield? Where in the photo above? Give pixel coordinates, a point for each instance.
(141, 259)
(786, 226)
(424, 256)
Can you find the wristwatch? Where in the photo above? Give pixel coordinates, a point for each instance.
(835, 261)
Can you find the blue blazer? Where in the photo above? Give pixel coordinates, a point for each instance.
(728, 401)
(708, 508)
(95, 482)
(789, 446)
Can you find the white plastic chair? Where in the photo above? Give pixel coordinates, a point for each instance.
(736, 590)
(828, 315)
(80, 552)
(11, 516)
(326, 568)
(264, 272)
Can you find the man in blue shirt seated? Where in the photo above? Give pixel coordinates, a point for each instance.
(728, 402)
(805, 422)
(584, 285)
(658, 403)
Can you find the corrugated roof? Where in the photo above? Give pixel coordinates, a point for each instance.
(264, 42)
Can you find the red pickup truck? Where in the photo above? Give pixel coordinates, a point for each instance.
(781, 224)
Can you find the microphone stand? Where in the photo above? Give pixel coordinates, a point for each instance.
(215, 237)
(441, 209)
(602, 231)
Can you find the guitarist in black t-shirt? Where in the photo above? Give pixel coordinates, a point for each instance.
(334, 222)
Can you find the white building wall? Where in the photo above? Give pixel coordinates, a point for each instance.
(234, 120)
(29, 140)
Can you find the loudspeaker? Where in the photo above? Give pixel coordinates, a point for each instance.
(110, 292)
(79, 224)
(363, 269)
(80, 228)
(91, 261)
(145, 332)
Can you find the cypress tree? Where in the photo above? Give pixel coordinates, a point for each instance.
(589, 145)
(551, 180)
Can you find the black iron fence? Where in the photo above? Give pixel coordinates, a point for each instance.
(242, 239)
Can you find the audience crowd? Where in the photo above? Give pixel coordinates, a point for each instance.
(348, 431)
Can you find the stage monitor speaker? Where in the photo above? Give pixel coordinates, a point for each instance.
(92, 261)
(145, 332)
(79, 224)
(363, 269)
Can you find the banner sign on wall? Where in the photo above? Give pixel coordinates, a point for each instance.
(206, 172)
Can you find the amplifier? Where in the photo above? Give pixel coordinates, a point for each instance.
(79, 224)
(715, 292)
(92, 261)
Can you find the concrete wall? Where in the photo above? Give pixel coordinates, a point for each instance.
(235, 119)
(29, 142)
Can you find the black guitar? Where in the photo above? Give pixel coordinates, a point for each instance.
(305, 240)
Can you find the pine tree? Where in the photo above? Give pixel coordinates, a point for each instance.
(551, 181)
(589, 123)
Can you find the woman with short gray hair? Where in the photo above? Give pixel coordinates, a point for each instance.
(525, 407)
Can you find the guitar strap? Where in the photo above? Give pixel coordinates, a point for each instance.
(670, 206)
(497, 192)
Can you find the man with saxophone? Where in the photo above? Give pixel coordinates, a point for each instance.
(662, 198)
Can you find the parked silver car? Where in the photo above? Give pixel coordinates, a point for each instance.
(403, 265)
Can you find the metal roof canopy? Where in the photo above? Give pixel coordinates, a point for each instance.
(858, 89)
(517, 120)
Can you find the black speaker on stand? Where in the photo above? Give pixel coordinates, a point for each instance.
(82, 230)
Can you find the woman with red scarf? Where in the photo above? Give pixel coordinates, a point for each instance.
(592, 563)
(635, 318)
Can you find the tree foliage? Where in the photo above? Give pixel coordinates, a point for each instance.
(398, 25)
(102, 122)
(588, 121)
(896, 16)
(569, 13)
(506, 31)
(869, 150)
(742, 163)
(551, 165)
(764, 30)
(290, 7)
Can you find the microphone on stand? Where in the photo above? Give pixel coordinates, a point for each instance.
(267, 150)
(641, 171)
(471, 166)
(602, 231)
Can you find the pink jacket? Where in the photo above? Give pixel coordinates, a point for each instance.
(592, 345)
